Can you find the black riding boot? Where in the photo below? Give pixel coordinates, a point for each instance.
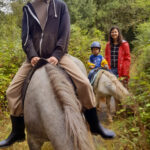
(17, 133)
(95, 125)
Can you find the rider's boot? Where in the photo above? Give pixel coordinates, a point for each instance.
(17, 133)
(95, 125)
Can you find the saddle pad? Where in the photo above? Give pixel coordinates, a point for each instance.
(95, 73)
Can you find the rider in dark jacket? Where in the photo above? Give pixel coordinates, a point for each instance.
(51, 40)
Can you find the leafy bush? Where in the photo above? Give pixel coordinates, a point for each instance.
(11, 55)
(142, 79)
(81, 40)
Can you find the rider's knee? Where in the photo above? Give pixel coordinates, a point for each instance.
(12, 93)
(86, 84)
(8, 92)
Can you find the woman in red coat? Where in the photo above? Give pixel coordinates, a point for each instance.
(117, 53)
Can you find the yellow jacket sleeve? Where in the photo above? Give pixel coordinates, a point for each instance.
(90, 64)
(104, 62)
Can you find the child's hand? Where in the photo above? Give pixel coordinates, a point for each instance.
(92, 67)
(106, 67)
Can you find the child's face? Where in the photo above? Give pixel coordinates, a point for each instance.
(95, 51)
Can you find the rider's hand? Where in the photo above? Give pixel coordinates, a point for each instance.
(52, 60)
(106, 67)
(92, 67)
(34, 60)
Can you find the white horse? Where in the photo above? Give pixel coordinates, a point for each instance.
(107, 88)
(52, 112)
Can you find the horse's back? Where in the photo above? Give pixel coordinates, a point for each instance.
(43, 114)
(107, 84)
(80, 64)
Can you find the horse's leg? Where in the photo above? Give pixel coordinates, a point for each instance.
(112, 105)
(109, 112)
(102, 108)
(119, 104)
(34, 144)
(102, 104)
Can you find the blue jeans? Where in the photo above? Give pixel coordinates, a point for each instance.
(91, 74)
(115, 71)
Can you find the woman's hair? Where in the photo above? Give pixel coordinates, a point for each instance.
(120, 38)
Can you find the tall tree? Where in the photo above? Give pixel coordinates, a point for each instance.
(126, 14)
(82, 12)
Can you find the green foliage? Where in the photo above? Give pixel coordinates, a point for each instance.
(103, 14)
(89, 18)
(17, 11)
(81, 41)
(11, 54)
(122, 13)
(142, 79)
(82, 12)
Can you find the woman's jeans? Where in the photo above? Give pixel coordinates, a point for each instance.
(115, 71)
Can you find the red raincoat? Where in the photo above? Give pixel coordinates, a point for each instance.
(124, 58)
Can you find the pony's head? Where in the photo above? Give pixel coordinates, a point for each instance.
(107, 84)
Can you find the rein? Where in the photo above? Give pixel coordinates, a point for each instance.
(38, 65)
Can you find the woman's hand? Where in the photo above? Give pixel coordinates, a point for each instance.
(53, 60)
(34, 60)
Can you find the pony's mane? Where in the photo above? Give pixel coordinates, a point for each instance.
(64, 91)
(120, 89)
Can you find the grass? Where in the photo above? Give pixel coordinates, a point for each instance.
(122, 141)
